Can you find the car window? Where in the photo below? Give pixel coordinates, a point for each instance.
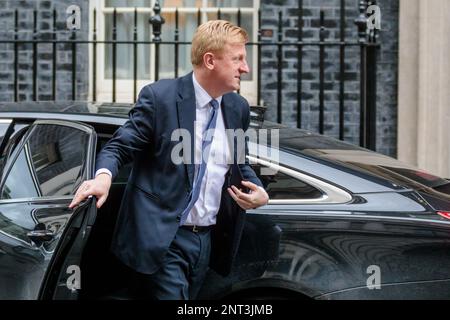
(3, 127)
(18, 130)
(49, 164)
(281, 186)
(418, 176)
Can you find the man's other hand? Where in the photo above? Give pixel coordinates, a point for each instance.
(98, 187)
(256, 198)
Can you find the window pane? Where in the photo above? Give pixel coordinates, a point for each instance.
(230, 3)
(209, 3)
(187, 26)
(20, 183)
(188, 23)
(181, 3)
(3, 128)
(50, 164)
(127, 3)
(17, 133)
(125, 52)
(281, 186)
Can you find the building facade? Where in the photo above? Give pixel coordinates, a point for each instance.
(58, 72)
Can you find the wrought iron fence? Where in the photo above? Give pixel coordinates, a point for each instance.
(366, 41)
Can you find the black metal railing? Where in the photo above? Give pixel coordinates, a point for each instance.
(366, 41)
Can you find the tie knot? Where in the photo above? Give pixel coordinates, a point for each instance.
(214, 104)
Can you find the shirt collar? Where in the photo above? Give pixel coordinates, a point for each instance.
(202, 97)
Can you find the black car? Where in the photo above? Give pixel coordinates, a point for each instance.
(342, 223)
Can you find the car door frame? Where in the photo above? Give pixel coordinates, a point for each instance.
(76, 231)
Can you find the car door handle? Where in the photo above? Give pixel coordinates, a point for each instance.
(39, 236)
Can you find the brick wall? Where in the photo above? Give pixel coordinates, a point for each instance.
(386, 68)
(45, 27)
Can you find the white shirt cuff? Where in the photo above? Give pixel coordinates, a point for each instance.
(103, 170)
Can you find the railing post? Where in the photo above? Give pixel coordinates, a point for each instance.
(16, 55)
(54, 57)
(361, 23)
(74, 65)
(177, 39)
(35, 53)
(280, 68)
(299, 63)
(157, 21)
(342, 71)
(322, 72)
(367, 40)
(114, 55)
(259, 72)
(135, 55)
(372, 85)
(94, 58)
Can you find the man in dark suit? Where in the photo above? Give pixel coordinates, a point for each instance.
(179, 217)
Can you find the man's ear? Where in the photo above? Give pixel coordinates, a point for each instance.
(208, 60)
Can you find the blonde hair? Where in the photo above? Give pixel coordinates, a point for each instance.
(213, 36)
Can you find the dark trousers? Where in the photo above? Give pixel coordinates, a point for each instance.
(183, 271)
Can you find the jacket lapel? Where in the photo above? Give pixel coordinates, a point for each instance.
(231, 120)
(186, 111)
(229, 112)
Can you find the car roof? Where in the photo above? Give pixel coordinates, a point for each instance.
(325, 149)
(72, 107)
(297, 139)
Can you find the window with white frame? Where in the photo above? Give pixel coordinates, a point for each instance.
(190, 12)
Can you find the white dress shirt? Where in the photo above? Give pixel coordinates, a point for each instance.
(207, 205)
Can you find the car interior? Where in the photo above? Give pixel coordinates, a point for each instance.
(104, 276)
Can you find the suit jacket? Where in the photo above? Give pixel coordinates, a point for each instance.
(158, 189)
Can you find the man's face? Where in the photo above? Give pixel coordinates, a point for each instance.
(230, 64)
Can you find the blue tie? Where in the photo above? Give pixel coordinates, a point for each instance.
(202, 169)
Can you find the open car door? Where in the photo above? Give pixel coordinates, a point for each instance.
(41, 239)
